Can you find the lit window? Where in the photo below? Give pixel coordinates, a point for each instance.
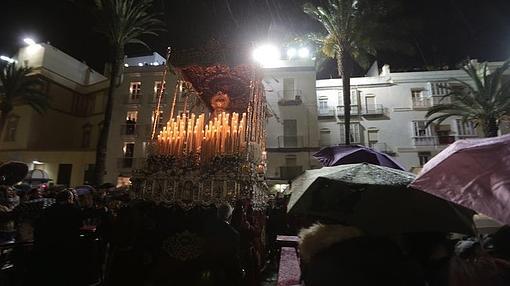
(158, 91)
(132, 116)
(160, 117)
(135, 89)
(10, 128)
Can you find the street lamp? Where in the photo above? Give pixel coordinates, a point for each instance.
(29, 41)
(7, 59)
(266, 54)
(304, 52)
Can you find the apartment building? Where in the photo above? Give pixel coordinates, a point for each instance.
(61, 142)
(388, 113)
(292, 127)
(134, 112)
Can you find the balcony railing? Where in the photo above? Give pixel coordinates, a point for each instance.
(355, 110)
(290, 97)
(290, 141)
(373, 109)
(130, 163)
(430, 101)
(130, 99)
(130, 130)
(438, 140)
(329, 111)
(290, 172)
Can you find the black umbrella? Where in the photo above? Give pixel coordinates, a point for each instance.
(375, 199)
(12, 172)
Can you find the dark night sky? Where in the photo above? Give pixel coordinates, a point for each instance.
(451, 30)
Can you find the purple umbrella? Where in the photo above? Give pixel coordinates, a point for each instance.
(474, 173)
(352, 154)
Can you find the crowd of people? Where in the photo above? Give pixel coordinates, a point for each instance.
(68, 232)
(57, 228)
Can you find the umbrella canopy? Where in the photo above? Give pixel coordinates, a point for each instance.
(375, 199)
(473, 173)
(12, 172)
(351, 154)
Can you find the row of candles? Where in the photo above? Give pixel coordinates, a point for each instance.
(189, 134)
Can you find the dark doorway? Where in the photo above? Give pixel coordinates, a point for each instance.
(64, 174)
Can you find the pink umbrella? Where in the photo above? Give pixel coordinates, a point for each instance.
(474, 173)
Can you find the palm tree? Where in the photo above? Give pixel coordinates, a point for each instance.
(485, 101)
(19, 87)
(122, 22)
(355, 30)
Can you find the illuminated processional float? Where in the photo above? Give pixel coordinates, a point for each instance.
(209, 152)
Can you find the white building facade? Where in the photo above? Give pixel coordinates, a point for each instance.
(388, 113)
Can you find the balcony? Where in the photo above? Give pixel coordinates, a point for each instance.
(131, 99)
(130, 163)
(373, 109)
(290, 142)
(329, 111)
(290, 172)
(438, 140)
(290, 97)
(355, 110)
(131, 130)
(423, 103)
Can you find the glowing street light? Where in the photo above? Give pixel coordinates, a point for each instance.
(266, 54)
(291, 53)
(29, 41)
(7, 59)
(304, 52)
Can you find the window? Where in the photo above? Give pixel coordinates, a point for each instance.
(373, 137)
(128, 149)
(439, 88)
(465, 128)
(86, 134)
(132, 116)
(288, 88)
(160, 117)
(419, 129)
(424, 157)
(323, 104)
(355, 109)
(418, 98)
(158, 91)
(135, 90)
(11, 128)
(290, 138)
(355, 133)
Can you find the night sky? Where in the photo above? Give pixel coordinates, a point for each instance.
(446, 31)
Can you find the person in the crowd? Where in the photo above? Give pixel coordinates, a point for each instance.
(57, 242)
(501, 242)
(35, 193)
(342, 255)
(224, 249)
(8, 201)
